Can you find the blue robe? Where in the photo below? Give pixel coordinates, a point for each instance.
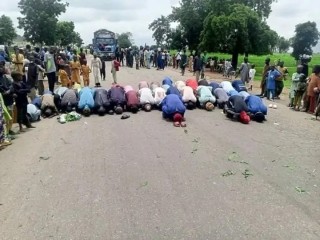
(271, 81)
(86, 98)
(172, 104)
(239, 86)
(214, 86)
(173, 90)
(255, 105)
(167, 81)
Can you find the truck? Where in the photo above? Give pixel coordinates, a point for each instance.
(104, 44)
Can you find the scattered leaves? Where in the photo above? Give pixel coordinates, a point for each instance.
(194, 150)
(247, 173)
(228, 173)
(143, 185)
(44, 158)
(300, 190)
(233, 156)
(196, 140)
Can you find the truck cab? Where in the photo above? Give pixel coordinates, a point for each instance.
(104, 44)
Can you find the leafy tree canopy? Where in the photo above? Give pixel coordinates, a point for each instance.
(125, 40)
(7, 31)
(306, 37)
(161, 29)
(40, 19)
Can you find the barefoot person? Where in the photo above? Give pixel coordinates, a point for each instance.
(173, 109)
(20, 91)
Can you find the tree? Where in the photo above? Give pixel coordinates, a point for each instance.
(77, 40)
(191, 14)
(7, 31)
(161, 29)
(176, 38)
(241, 31)
(306, 37)
(40, 19)
(283, 45)
(65, 34)
(125, 40)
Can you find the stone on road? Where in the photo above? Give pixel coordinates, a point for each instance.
(142, 178)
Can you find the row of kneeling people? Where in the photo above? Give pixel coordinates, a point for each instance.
(203, 94)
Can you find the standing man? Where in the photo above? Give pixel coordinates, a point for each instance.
(183, 62)
(197, 66)
(264, 77)
(96, 66)
(244, 71)
(50, 67)
(279, 80)
(103, 69)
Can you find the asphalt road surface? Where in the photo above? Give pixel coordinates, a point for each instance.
(142, 178)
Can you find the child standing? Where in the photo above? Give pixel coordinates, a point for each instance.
(64, 78)
(75, 70)
(85, 70)
(295, 80)
(20, 91)
(252, 74)
(114, 69)
(271, 82)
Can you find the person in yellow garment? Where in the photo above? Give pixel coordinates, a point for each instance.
(85, 70)
(17, 59)
(75, 70)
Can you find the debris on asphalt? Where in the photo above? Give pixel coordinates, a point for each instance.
(143, 185)
(228, 173)
(186, 131)
(44, 158)
(277, 124)
(247, 173)
(233, 156)
(194, 150)
(196, 140)
(300, 190)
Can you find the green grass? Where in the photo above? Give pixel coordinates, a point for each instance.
(289, 62)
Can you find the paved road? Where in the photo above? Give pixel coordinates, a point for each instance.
(141, 178)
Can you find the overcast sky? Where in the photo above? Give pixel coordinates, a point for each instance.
(135, 15)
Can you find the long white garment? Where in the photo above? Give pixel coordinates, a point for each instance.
(188, 95)
(180, 85)
(96, 65)
(146, 96)
(227, 86)
(159, 94)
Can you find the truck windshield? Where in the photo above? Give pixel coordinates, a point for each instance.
(105, 41)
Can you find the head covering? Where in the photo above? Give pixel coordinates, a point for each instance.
(86, 111)
(147, 107)
(244, 118)
(48, 112)
(209, 106)
(259, 117)
(190, 105)
(101, 111)
(118, 110)
(134, 109)
(177, 117)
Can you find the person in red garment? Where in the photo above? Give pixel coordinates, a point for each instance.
(115, 66)
(132, 99)
(193, 83)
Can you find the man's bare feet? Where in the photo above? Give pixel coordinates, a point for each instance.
(183, 124)
(176, 124)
